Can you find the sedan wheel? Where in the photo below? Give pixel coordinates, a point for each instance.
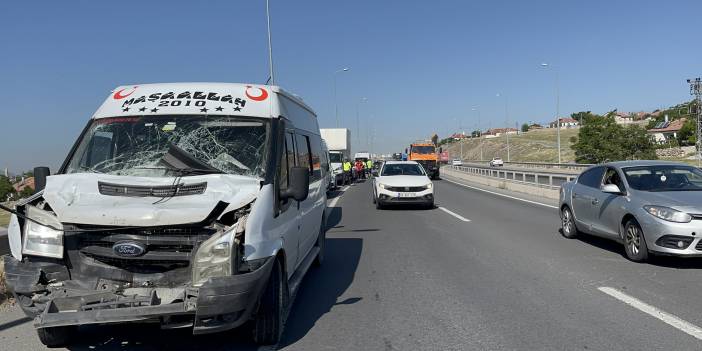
(568, 228)
(634, 242)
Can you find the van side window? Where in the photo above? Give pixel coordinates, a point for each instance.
(319, 163)
(287, 161)
(304, 155)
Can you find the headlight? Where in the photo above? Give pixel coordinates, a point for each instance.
(668, 214)
(430, 185)
(213, 258)
(40, 240)
(381, 185)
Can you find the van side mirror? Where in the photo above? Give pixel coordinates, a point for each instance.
(611, 189)
(299, 186)
(40, 174)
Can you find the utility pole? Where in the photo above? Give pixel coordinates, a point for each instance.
(506, 125)
(696, 91)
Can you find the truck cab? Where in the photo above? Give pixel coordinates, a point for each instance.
(192, 205)
(425, 154)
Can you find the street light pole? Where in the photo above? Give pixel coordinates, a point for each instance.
(270, 47)
(336, 104)
(506, 126)
(480, 133)
(558, 107)
(358, 123)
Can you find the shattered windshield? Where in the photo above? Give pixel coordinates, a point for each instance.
(141, 146)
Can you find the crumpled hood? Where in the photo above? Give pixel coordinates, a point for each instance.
(75, 198)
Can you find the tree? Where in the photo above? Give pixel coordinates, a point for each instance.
(686, 135)
(6, 188)
(26, 192)
(434, 139)
(525, 127)
(602, 140)
(583, 116)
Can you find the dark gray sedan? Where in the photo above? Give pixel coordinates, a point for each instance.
(649, 206)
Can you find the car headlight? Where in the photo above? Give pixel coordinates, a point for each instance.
(40, 240)
(668, 214)
(213, 258)
(430, 185)
(381, 185)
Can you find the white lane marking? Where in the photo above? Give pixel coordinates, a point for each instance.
(503, 195)
(333, 201)
(667, 318)
(454, 214)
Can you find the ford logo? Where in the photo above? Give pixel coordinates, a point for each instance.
(128, 249)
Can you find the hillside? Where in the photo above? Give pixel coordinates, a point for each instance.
(533, 146)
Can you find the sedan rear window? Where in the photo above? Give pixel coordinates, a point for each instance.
(402, 169)
(664, 178)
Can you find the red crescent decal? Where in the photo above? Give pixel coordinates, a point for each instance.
(263, 96)
(118, 95)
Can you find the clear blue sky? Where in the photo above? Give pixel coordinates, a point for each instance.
(422, 64)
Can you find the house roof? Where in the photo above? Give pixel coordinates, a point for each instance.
(672, 126)
(566, 120)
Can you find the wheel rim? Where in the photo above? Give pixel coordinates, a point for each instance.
(567, 221)
(633, 239)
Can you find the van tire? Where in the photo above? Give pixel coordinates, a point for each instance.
(56, 336)
(270, 318)
(321, 244)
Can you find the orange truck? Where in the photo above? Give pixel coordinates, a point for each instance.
(424, 152)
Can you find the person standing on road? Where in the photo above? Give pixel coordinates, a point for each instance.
(369, 166)
(347, 171)
(359, 170)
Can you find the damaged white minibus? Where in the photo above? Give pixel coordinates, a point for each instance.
(197, 205)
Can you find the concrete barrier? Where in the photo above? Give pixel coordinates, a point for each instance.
(503, 184)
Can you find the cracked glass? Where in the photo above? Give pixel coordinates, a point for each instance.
(136, 145)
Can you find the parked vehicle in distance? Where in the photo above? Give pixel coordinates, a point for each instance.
(649, 206)
(339, 143)
(402, 182)
(191, 205)
(397, 156)
(456, 162)
(496, 162)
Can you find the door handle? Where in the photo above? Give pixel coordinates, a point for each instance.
(595, 201)
(575, 195)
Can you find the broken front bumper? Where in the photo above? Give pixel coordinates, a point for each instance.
(221, 303)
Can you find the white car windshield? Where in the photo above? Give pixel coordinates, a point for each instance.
(142, 146)
(402, 169)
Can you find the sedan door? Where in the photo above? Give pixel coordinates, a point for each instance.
(584, 197)
(607, 207)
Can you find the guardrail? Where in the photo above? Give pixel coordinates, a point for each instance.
(550, 180)
(573, 166)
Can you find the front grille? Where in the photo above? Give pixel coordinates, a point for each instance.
(111, 189)
(166, 248)
(406, 188)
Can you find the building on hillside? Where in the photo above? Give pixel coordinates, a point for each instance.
(535, 126)
(565, 123)
(459, 136)
(24, 183)
(495, 132)
(666, 130)
(623, 118)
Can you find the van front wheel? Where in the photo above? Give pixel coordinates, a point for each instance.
(269, 321)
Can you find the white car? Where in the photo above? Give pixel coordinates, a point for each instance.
(456, 162)
(402, 182)
(496, 162)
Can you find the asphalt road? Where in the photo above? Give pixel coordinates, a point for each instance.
(480, 271)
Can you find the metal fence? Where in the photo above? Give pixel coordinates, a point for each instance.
(571, 166)
(550, 179)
